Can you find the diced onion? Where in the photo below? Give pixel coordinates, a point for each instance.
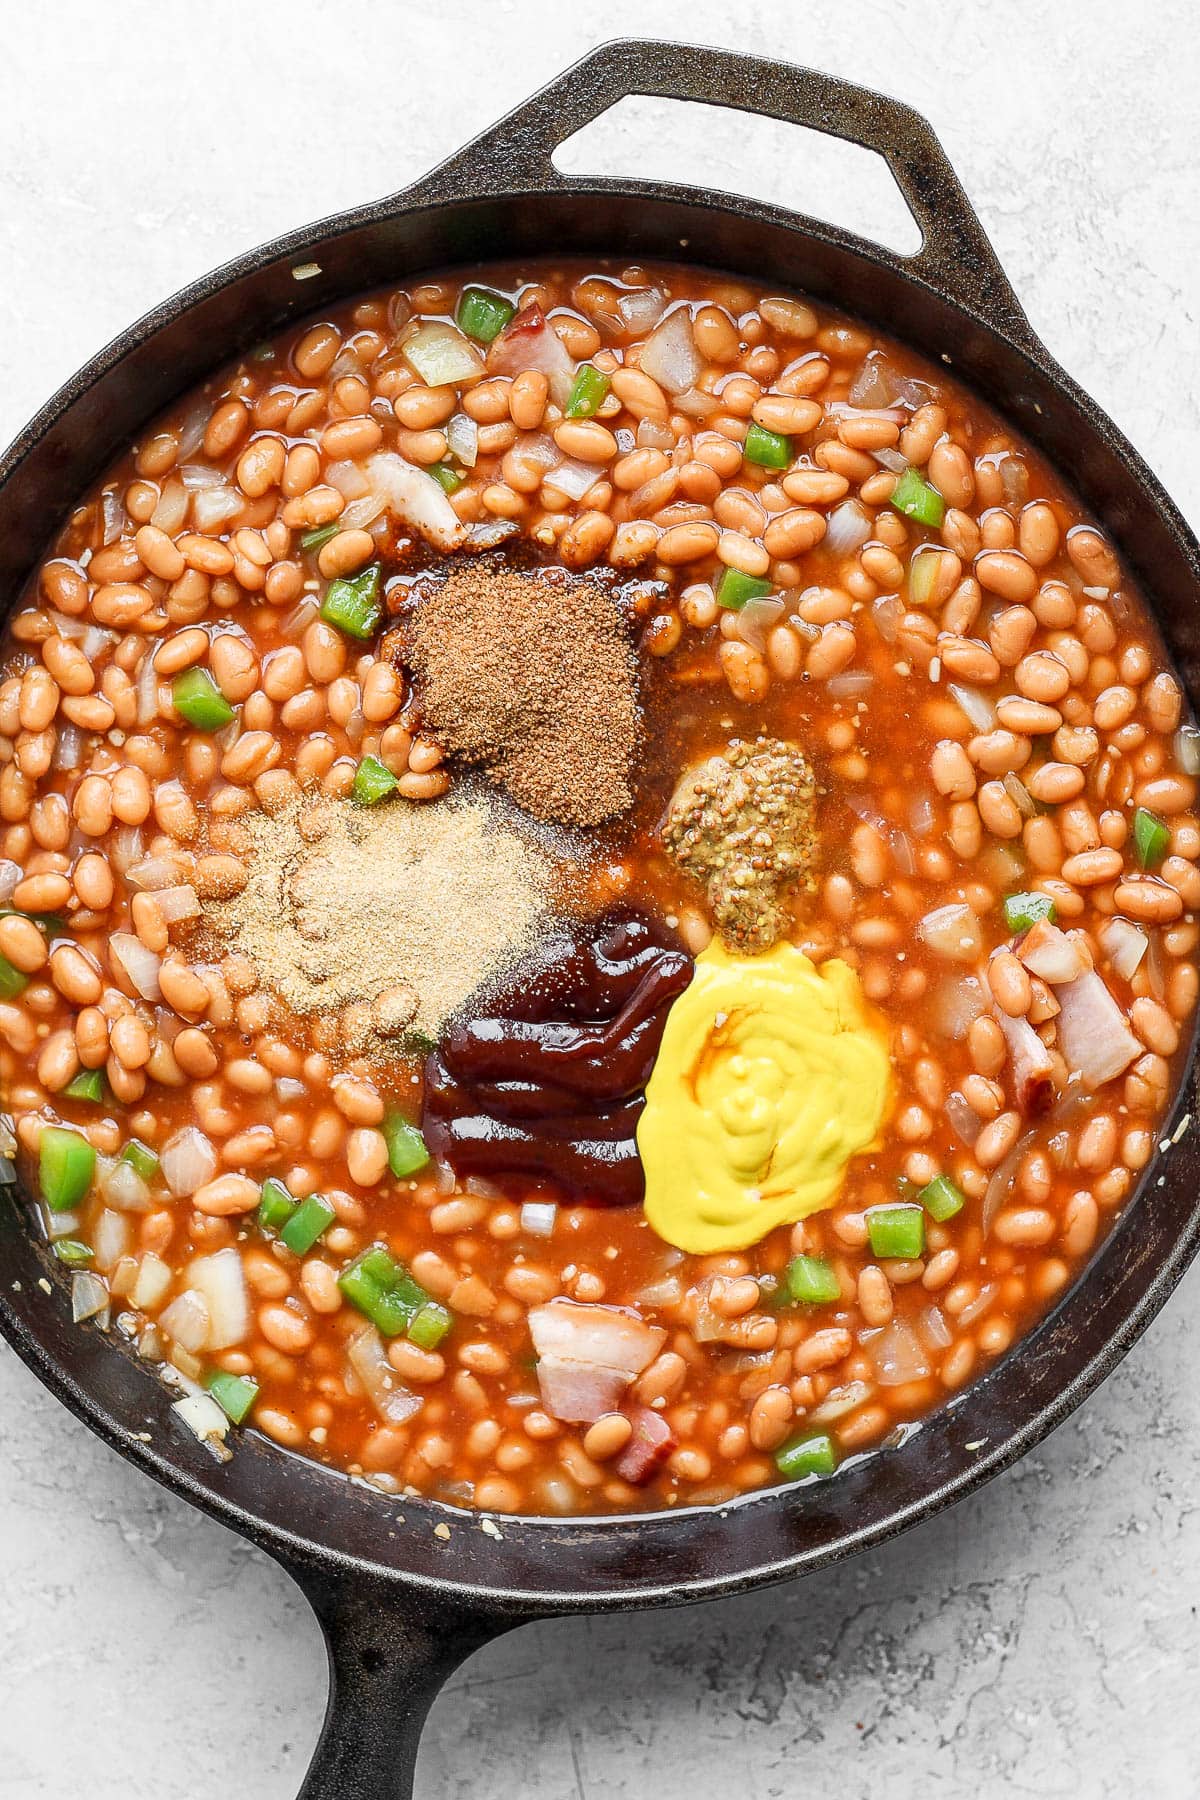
(349, 480)
(221, 1284)
(653, 434)
(178, 903)
(539, 1217)
(297, 622)
(667, 1291)
(572, 478)
(669, 355)
(849, 528)
(66, 626)
(640, 308)
(850, 684)
(213, 507)
(10, 874)
(122, 1186)
(111, 1239)
(198, 476)
(441, 355)
(462, 440)
(172, 508)
(68, 750)
(898, 1355)
(1187, 749)
(1125, 944)
(964, 1120)
(891, 458)
(186, 1321)
(89, 1297)
(957, 1003)
(697, 403)
(152, 874)
(112, 515)
(188, 1160)
(140, 965)
(1020, 795)
(191, 432)
(361, 513)
(147, 690)
(952, 931)
(380, 1382)
(887, 610)
(977, 706)
(153, 1281)
(934, 1329)
(207, 1422)
(756, 619)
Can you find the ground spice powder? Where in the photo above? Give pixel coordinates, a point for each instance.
(390, 915)
(531, 676)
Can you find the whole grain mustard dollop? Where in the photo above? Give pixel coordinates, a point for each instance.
(771, 1075)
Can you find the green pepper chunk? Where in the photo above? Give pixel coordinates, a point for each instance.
(769, 449)
(1021, 911)
(373, 782)
(812, 1281)
(352, 603)
(447, 476)
(87, 1085)
(810, 1454)
(941, 1199)
(482, 314)
(1151, 838)
(12, 981)
(71, 1251)
(916, 499)
(141, 1158)
(66, 1164)
(383, 1290)
(315, 540)
(896, 1232)
(736, 589)
(406, 1147)
(234, 1394)
(310, 1220)
(276, 1205)
(430, 1326)
(197, 698)
(588, 392)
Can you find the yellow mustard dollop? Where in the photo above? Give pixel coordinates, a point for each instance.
(772, 1073)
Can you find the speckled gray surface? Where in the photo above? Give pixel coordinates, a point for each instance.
(1043, 1638)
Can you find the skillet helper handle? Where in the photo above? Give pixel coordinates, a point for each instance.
(956, 257)
(390, 1653)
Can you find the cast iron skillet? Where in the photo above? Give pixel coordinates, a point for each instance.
(400, 1605)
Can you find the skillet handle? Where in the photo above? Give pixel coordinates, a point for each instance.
(391, 1650)
(956, 257)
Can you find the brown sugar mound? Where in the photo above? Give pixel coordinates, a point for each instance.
(532, 678)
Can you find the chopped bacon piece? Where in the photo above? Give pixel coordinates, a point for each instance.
(1092, 1031)
(652, 1442)
(531, 342)
(588, 1355)
(1049, 952)
(1031, 1064)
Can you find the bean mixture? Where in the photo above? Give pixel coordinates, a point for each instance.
(819, 544)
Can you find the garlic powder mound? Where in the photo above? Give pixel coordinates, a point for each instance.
(406, 907)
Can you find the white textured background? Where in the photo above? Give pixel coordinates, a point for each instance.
(1040, 1640)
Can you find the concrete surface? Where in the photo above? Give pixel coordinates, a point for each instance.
(1042, 1640)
